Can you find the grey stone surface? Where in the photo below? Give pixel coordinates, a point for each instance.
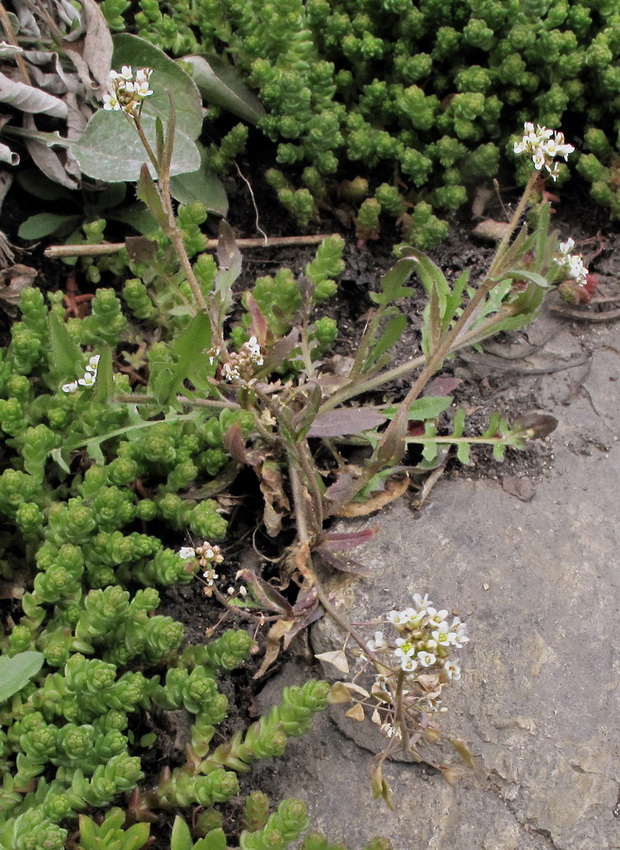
(538, 584)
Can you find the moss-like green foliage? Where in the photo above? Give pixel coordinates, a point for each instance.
(90, 488)
(399, 83)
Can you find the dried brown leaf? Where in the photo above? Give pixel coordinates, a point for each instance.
(356, 712)
(463, 750)
(272, 648)
(140, 248)
(394, 489)
(337, 541)
(276, 503)
(337, 658)
(15, 280)
(339, 694)
(490, 230)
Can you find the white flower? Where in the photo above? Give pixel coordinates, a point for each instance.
(426, 659)
(253, 349)
(567, 247)
(210, 577)
(127, 91)
(110, 103)
(143, 75)
(71, 387)
(572, 264)
(88, 380)
(378, 643)
(404, 649)
(543, 145)
(414, 618)
(390, 731)
(452, 670)
(421, 602)
(230, 373)
(457, 636)
(408, 664)
(442, 634)
(436, 617)
(209, 554)
(142, 89)
(213, 354)
(186, 552)
(93, 363)
(398, 618)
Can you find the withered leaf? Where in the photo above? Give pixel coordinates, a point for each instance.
(394, 489)
(276, 503)
(337, 658)
(258, 326)
(490, 230)
(339, 694)
(463, 750)
(345, 564)
(30, 99)
(346, 420)
(336, 541)
(272, 648)
(15, 280)
(538, 425)
(266, 594)
(140, 248)
(356, 712)
(98, 47)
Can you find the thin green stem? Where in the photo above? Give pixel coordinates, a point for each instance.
(129, 398)
(514, 221)
(172, 231)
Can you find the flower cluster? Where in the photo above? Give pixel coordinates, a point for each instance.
(410, 672)
(241, 364)
(543, 146)
(208, 556)
(572, 264)
(127, 91)
(89, 378)
(425, 638)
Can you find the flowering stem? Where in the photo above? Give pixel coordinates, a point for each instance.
(514, 221)
(172, 231)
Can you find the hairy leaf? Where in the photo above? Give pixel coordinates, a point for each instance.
(345, 420)
(168, 76)
(44, 224)
(221, 84)
(16, 672)
(392, 282)
(110, 149)
(390, 336)
(67, 359)
(27, 98)
(426, 407)
(202, 185)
